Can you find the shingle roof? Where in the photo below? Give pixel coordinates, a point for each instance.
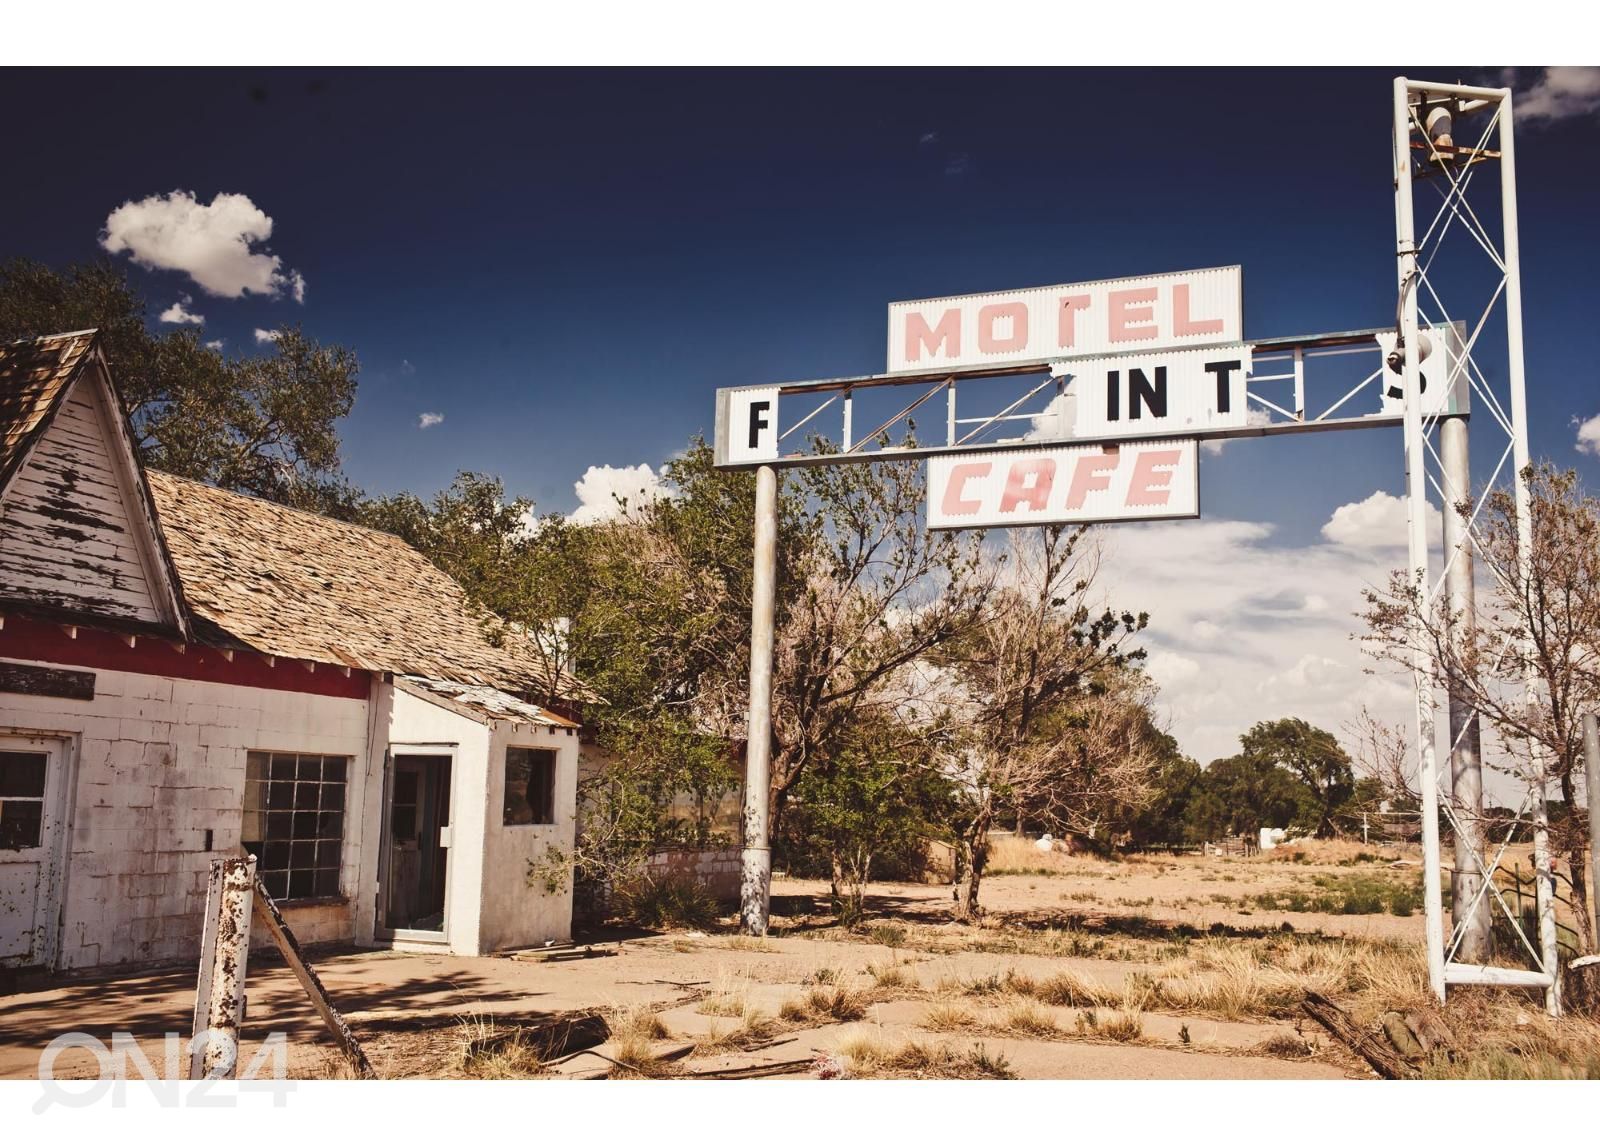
(280, 581)
(489, 703)
(34, 375)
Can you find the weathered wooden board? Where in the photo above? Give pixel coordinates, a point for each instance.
(32, 680)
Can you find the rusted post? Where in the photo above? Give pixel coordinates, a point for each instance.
(225, 951)
(266, 912)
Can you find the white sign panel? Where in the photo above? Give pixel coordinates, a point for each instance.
(1444, 390)
(1073, 484)
(1182, 392)
(1158, 311)
(747, 425)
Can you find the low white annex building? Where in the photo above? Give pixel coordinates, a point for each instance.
(185, 672)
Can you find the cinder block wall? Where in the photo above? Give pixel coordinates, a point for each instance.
(717, 871)
(154, 763)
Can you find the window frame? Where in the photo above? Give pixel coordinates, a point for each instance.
(302, 796)
(537, 751)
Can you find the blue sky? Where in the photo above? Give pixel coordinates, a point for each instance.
(565, 265)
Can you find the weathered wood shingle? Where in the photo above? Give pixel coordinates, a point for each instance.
(289, 583)
(34, 376)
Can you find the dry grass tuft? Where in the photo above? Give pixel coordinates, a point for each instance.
(729, 999)
(486, 1051)
(1281, 1045)
(1123, 1026)
(891, 976)
(872, 1054)
(949, 1016)
(1029, 1018)
(1069, 988)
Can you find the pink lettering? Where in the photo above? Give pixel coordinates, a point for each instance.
(989, 315)
(1182, 323)
(955, 489)
(1035, 493)
(1070, 305)
(1131, 322)
(1092, 473)
(945, 338)
(1148, 487)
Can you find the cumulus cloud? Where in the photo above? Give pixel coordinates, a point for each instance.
(429, 420)
(601, 486)
(267, 335)
(1057, 418)
(1559, 93)
(1243, 628)
(1589, 435)
(1379, 522)
(215, 244)
(1256, 416)
(179, 314)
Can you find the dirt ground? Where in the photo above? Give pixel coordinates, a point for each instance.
(1082, 968)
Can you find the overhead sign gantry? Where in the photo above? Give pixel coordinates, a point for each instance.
(1087, 402)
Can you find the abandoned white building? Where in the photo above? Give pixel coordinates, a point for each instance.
(185, 672)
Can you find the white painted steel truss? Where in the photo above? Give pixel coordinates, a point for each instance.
(1430, 120)
(1313, 382)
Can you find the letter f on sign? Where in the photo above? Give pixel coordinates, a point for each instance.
(758, 422)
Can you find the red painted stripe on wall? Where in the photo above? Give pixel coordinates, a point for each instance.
(25, 639)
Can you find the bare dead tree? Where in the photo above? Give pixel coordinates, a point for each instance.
(1040, 695)
(1542, 629)
(1381, 755)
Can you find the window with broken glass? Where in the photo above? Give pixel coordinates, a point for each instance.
(294, 821)
(530, 786)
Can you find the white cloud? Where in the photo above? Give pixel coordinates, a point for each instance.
(213, 243)
(1169, 669)
(216, 345)
(179, 313)
(267, 335)
(1559, 93)
(1379, 522)
(1255, 416)
(601, 485)
(1242, 629)
(1589, 435)
(1056, 419)
(429, 420)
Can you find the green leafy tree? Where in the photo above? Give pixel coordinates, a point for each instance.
(1242, 793)
(264, 425)
(1315, 758)
(1165, 819)
(879, 795)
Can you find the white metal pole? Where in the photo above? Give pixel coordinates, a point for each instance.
(1470, 912)
(755, 883)
(1591, 782)
(1417, 541)
(1550, 952)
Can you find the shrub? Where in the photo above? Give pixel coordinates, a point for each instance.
(666, 902)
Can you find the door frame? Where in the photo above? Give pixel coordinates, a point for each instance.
(382, 931)
(55, 826)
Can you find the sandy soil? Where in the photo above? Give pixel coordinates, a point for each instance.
(414, 1013)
